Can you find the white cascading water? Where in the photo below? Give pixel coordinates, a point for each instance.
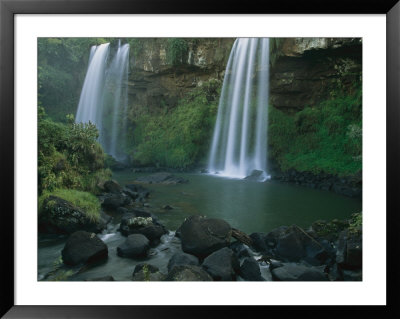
(100, 83)
(239, 144)
(91, 100)
(117, 78)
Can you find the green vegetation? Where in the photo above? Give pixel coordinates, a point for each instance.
(89, 203)
(69, 155)
(325, 138)
(177, 49)
(177, 137)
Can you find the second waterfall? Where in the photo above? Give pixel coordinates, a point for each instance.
(239, 144)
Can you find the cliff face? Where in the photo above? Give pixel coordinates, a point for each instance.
(154, 81)
(306, 71)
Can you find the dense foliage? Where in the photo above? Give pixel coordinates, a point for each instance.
(177, 137)
(69, 155)
(324, 138)
(177, 49)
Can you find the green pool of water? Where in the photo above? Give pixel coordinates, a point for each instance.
(246, 205)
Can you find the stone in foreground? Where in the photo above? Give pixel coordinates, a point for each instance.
(222, 265)
(84, 248)
(298, 272)
(202, 236)
(136, 245)
(188, 273)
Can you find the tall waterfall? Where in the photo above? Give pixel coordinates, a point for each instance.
(239, 143)
(104, 97)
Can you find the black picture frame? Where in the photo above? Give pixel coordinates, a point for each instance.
(8, 9)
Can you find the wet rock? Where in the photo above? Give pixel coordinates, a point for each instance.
(255, 175)
(147, 272)
(259, 242)
(139, 189)
(182, 259)
(240, 249)
(62, 217)
(201, 236)
(136, 245)
(349, 250)
(112, 186)
(222, 265)
(84, 248)
(298, 272)
(131, 223)
(167, 207)
(114, 201)
(188, 273)
(161, 178)
(250, 270)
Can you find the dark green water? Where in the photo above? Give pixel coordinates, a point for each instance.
(246, 205)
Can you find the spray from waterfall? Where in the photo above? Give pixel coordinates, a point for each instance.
(239, 144)
(104, 97)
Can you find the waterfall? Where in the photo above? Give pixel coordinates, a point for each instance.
(116, 84)
(91, 100)
(239, 143)
(104, 97)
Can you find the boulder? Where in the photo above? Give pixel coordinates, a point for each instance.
(250, 270)
(161, 178)
(201, 236)
(84, 248)
(62, 217)
(147, 272)
(182, 259)
(136, 245)
(255, 175)
(240, 249)
(349, 251)
(139, 189)
(352, 275)
(298, 272)
(188, 273)
(295, 244)
(222, 265)
(147, 226)
(259, 242)
(114, 201)
(112, 186)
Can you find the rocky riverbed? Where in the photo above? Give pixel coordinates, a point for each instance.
(201, 249)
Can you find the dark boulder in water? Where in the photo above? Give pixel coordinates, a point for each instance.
(182, 259)
(222, 265)
(255, 175)
(298, 272)
(114, 201)
(141, 222)
(136, 245)
(250, 270)
(147, 272)
(161, 178)
(84, 248)
(201, 236)
(188, 273)
(112, 186)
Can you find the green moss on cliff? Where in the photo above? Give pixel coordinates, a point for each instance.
(177, 137)
(325, 138)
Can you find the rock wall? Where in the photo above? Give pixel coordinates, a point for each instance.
(155, 82)
(306, 71)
